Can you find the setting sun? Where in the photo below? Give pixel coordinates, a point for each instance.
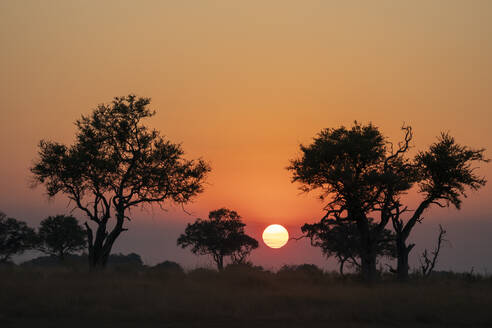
(275, 236)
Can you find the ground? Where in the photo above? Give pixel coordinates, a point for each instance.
(236, 298)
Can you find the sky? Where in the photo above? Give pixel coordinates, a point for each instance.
(241, 84)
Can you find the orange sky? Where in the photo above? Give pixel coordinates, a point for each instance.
(241, 84)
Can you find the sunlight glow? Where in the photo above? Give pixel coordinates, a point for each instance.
(275, 236)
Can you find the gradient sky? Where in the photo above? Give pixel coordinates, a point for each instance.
(241, 84)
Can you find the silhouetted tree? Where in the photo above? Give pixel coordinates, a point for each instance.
(222, 235)
(61, 236)
(363, 175)
(348, 167)
(115, 164)
(445, 172)
(15, 237)
(342, 240)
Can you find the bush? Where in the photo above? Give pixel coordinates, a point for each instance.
(169, 267)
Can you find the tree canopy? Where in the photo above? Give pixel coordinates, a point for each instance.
(221, 235)
(60, 236)
(15, 237)
(361, 175)
(115, 164)
(347, 166)
(342, 240)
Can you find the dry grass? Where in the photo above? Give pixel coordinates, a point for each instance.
(235, 298)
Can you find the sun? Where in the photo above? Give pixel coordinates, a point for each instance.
(275, 236)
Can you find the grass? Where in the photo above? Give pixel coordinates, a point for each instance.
(240, 297)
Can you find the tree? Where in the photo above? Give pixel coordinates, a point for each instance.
(350, 168)
(15, 237)
(221, 235)
(342, 240)
(117, 164)
(61, 236)
(363, 176)
(445, 172)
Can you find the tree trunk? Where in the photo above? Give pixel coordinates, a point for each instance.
(402, 232)
(342, 262)
(61, 257)
(100, 248)
(402, 252)
(96, 259)
(368, 267)
(220, 263)
(367, 253)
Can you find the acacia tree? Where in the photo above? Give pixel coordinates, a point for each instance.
(342, 240)
(445, 172)
(60, 236)
(220, 236)
(350, 168)
(15, 237)
(363, 175)
(117, 164)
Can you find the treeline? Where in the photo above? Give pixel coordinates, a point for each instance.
(116, 163)
(58, 236)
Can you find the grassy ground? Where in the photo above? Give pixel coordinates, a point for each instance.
(235, 298)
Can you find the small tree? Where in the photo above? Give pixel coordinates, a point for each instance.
(15, 237)
(342, 240)
(117, 164)
(61, 236)
(428, 261)
(445, 172)
(222, 235)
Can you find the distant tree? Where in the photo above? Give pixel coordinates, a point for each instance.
(116, 164)
(169, 266)
(61, 236)
(342, 240)
(15, 237)
(308, 269)
(121, 261)
(222, 235)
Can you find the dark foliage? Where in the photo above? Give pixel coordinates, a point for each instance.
(350, 167)
(131, 260)
(60, 236)
(444, 173)
(311, 269)
(169, 266)
(117, 163)
(362, 175)
(221, 235)
(341, 239)
(15, 237)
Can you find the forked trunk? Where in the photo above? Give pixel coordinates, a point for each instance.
(100, 247)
